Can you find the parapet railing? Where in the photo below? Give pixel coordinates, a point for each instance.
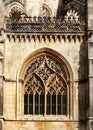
(43, 25)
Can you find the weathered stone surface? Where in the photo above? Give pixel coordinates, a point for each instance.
(17, 46)
(90, 60)
(1, 127)
(2, 14)
(24, 125)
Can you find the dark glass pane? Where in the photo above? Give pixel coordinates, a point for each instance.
(48, 104)
(53, 104)
(30, 104)
(41, 104)
(59, 99)
(42, 99)
(25, 109)
(26, 99)
(59, 104)
(64, 99)
(25, 104)
(36, 104)
(36, 98)
(36, 109)
(30, 109)
(64, 104)
(31, 99)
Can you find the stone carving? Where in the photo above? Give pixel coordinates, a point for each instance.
(43, 73)
(34, 85)
(15, 13)
(72, 16)
(71, 22)
(44, 24)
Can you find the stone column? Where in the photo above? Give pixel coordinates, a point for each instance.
(1, 79)
(1, 88)
(90, 61)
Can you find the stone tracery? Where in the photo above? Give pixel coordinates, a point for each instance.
(46, 69)
(45, 76)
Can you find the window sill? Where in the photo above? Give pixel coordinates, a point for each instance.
(45, 118)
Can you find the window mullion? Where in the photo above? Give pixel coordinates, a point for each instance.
(45, 107)
(33, 104)
(61, 103)
(56, 104)
(38, 103)
(51, 104)
(28, 103)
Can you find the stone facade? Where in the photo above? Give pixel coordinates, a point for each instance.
(57, 28)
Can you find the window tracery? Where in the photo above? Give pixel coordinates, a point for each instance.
(45, 87)
(15, 13)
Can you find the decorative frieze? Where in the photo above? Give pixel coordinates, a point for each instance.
(66, 38)
(44, 25)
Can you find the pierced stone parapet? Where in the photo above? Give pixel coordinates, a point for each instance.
(43, 25)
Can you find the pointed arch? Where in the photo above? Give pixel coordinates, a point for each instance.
(46, 83)
(45, 10)
(15, 7)
(56, 55)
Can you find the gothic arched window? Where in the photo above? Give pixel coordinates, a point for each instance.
(45, 11)
(46, 88)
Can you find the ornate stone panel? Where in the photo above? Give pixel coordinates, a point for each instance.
(48, 73)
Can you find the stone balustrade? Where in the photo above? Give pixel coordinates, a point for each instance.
(43, 24)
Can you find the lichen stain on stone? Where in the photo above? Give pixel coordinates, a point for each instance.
(29, 126)
(54, 126)
(41, 125)
(69, 126)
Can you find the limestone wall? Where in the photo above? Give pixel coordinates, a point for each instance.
(15, 54)
(24, 125)
(16, 50)
(33, 8)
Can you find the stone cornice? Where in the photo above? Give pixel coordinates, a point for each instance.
(65, 37)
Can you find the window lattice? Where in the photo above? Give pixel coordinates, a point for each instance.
(45, 87)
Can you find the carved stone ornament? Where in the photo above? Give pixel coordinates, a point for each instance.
(45, 74)
(45, 24)
(72, 16)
